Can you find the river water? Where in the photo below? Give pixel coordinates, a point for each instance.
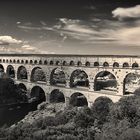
(11, 114)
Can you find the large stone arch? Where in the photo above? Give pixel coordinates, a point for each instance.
(38, 94)
(37, 74)
(1, 68)
(78, 99)
(58, 77)
(105, 81)
(57, 96)
(22, 87)
(10, 71)
(131, 83)
(79, 78)
(22, 73)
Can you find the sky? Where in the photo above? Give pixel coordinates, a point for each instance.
(110, 27)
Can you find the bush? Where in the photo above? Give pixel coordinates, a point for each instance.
(100, 108)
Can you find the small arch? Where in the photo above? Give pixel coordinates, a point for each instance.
(79, 63)
(57, 63)
(10, 61)
(135, 65)
(116, 65)
(87, 64)
(0, 60)
(96, 64)
(14, 61)
(3, 60)
(31, 61)
(22, 61)
(18, 61)
(10, 71)
(64, 63)
(7, 60)
(38, 94)
(23, 88)
(35, 61)
(105, 81)
(125, 65)
(57, 96)
(79, 78)
(57, 77)
(105, 64)
(26, 62)
(40, 62)
(78, 99)
(45, 62)
(38, 74)
(71, 63)
(51, 62)
(22, 73)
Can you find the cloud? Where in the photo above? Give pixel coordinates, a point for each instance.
(9, 40)
(122, 13)
(28, 47)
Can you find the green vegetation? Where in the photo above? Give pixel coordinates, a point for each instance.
(10, 93)
(103, 121)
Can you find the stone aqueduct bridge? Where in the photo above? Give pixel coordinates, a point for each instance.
(90, 70)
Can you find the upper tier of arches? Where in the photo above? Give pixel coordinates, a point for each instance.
(72, 63)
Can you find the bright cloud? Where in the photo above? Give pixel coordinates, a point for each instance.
(28, 47)
(121, 13)
(9, 40)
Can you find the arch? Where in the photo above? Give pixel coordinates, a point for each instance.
(31, 61)
(3, 60)
(57, 63)
(22, 87)
(79, 78)
(125, 65)
(35, 62)
(64, 63)
(14, 61)
(51, 62)
(96, 64)
(79, 63)
(22, 61)
(115, 64)
(22, 73)
(106, 64)
(78, 99)
(131, 83)
(57, 77)
(10, 61)
(7, 60)
(45, 62)
(135, 65)
(40, 62)
(10, 71)
(57, 96)
(38, 94)
(1, 68)
(26, 62)
(18, 61)
(0, 60)
(87, 64)
(38, 74)
(71, 63)
(105, 81)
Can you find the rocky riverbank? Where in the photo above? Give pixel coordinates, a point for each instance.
(43, 110)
